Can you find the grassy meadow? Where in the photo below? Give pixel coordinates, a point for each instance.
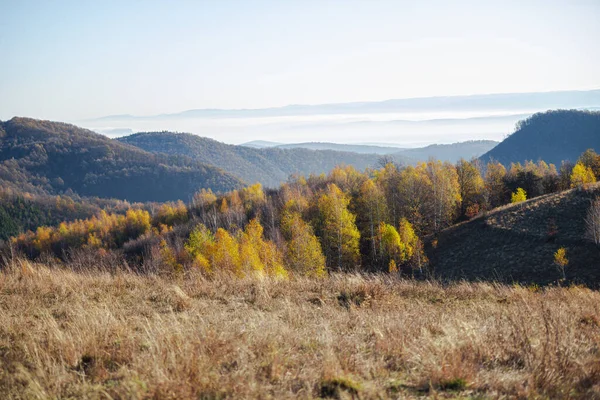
(120, 335)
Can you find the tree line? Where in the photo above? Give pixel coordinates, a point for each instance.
(345, 221)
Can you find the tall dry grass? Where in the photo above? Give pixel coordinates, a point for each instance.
(67, 334)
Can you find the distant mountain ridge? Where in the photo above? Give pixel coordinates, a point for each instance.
(552, 136)
(444, 152)
(47, 157)
(498, 102)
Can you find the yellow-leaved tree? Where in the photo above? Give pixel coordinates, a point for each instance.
(415, 254)
(495, 191)
(471, 187)
(258, 255)
(581, 176)
(304, 254)
(226, 253)
(371, 210)
(339, 235)
(201, 246)
(518, 196)
(391, 248)
(171, 214)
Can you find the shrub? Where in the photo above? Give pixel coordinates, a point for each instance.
(519, 196)
(561, 261)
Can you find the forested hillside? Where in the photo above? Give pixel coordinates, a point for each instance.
(269, 166)
(20, 212)
(385, 220)
(552, 136)
(52, 158)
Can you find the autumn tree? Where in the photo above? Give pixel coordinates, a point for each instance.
(257, 255)
(471, 187)
(400, 247)
(339, 235)
(226, 256)
(415, 254)
(253, 198)
(414, 197)
(204, 205)
(591, 160)
(581, 176)
(564, 175)
(171, 214)
(304, 254)
(371, 210)
(518, 196)
(495, 188)
(445, 193)
(201, 246)
(232, 211)
(388, 178)
(561, 261)
(347, 178)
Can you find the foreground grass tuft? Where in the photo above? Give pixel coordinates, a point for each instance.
(334, 387)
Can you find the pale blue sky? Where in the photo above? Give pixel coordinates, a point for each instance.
(70, 60)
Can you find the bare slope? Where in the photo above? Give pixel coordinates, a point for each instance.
(517, 242)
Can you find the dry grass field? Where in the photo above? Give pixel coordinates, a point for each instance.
(97, 335)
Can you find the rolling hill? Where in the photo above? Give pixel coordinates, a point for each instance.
(355, 148)
(443, 152)
(451, 152)
(269, 166)
(51, 158)
(552, 136)
(517, 242)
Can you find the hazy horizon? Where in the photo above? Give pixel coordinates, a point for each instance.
(401, 122)
(74, 61)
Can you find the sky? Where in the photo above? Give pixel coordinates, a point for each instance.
(74, 60)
